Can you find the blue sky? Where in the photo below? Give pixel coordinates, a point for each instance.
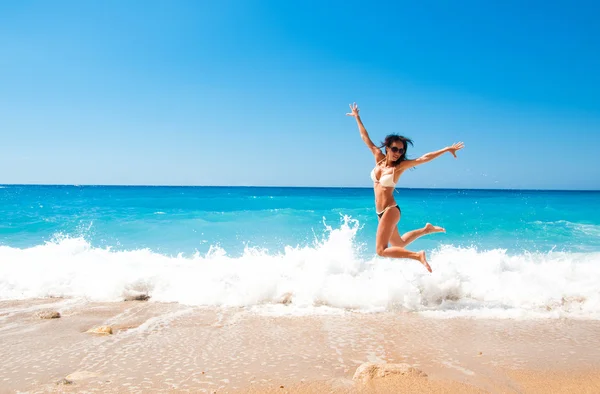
(255, 92)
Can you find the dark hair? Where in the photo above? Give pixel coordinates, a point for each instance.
(390, 139)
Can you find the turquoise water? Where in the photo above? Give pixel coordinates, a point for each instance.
(174, 220)
(252, 244)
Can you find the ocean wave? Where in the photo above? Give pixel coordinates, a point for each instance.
(584, 228)
(588, 229)
(329, 275)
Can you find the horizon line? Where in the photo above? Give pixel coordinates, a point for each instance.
(291, 187)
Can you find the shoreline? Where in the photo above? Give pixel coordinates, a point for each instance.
(162, 347)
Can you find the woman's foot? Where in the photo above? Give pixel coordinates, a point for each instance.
(429, 228)
(423, 260)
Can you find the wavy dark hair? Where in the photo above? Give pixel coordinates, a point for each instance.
(390, 139)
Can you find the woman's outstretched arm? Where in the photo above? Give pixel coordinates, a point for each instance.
(363, 133)
(432, 155)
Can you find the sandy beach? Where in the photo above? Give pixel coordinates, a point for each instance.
(158, 347)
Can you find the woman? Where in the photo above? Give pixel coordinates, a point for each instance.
(385, 175)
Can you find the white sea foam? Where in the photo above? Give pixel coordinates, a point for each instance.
(329, 276)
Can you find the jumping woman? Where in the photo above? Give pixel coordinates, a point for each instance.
(388, 169)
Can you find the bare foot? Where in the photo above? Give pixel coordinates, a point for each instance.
(429, 228)
(423, 260)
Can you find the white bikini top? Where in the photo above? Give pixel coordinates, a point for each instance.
(386, 180)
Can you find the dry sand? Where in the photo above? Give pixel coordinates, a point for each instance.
(158, 347)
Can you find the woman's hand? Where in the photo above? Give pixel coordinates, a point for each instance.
(354, 109)
(457, 146)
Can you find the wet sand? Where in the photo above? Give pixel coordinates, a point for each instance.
(159, 347)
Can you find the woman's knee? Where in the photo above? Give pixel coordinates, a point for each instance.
(380, 249)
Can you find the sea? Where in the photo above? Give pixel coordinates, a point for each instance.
(506, 254)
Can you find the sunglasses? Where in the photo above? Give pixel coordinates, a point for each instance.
(397, 150)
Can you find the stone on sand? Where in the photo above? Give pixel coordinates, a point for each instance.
(49, 315)
(81, 375)
(366, 372)
(286, 299)
(137, 297)
(104, 330)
